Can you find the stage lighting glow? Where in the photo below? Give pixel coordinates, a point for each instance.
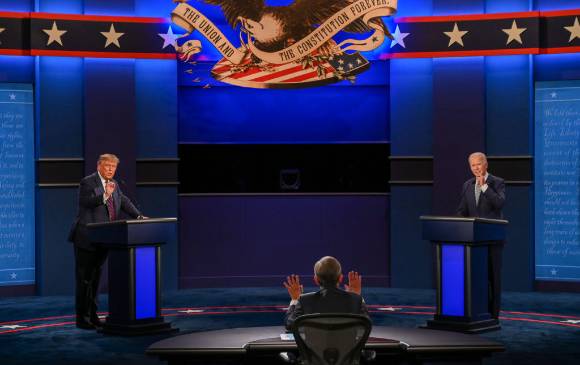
(507, 6)
(547, 5)
(17, 5)
(59, 7)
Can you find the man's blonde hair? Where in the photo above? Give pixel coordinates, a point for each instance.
(328, 271)
(108, 157)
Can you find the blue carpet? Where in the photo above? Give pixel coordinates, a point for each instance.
(537, 328)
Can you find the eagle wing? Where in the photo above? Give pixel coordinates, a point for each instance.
(233, 9)
(315, 12)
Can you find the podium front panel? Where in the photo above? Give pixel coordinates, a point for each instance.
(145, 282)
(452, 280)
(478, 280)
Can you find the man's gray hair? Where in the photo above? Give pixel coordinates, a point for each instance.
(108, 157)
(477, 155)
(328, 271)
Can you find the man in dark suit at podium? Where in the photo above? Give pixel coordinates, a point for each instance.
(483, 196)
(100, 200)
(330, 298)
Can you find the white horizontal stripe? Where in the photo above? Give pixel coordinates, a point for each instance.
(295, 74)
(22, 91)
(16, 102)
(266, 73)
(557, 278)
(24, 268)
(17, 281)
(555, 100)
(558, 88)
(576, 267)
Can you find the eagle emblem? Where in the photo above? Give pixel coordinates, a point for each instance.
(288, 46)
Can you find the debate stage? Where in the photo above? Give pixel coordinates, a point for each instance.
(536, 328)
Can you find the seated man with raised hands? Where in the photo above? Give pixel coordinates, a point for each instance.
(330, 298)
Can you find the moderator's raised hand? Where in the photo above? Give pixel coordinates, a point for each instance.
(292, 284)
(354, 282)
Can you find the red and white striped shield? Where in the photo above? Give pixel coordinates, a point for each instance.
(319, 71)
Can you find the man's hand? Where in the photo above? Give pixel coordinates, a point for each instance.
(109, 188)
(354, 283)
(292, 283)
(480, 180)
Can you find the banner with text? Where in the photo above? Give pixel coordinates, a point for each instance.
(16, 185)
(557, 181)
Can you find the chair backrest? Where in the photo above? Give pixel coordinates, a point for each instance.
(331, 338)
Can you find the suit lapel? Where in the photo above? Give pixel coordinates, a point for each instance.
(99, 190)
(471, 195)
(117, 199)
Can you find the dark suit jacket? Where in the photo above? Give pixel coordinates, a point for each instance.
(490, 203)
(93, 210)
(326, 300)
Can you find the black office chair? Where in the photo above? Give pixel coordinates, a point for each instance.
(331, 339)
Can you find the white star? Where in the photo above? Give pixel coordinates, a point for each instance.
(340, 68)
(112, 37)
(514, 33)
(12, 96)
(399, 38)
(554, 271)
(54, 34)
(358, 61)
(341, 62)
(553, 94)
(574, 30)
(350, 65)
(11, 327)
(13, 275)
(169, 38)
(456, 35)
(389, 309)
(189, 311)
(573, 321)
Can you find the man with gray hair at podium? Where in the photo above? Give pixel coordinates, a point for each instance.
(100, 200)
(330, 298)
(483, 196)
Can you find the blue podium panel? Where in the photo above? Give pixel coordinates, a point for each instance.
(557, 177)
(17, 264)
(452, 280)
(145, 282)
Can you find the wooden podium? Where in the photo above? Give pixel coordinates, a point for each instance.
(134, 248)
(462, 270)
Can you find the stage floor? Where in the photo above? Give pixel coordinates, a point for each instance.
(536, 327)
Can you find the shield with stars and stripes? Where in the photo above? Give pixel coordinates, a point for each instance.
(317, 71)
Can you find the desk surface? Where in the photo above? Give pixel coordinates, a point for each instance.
(239, 341)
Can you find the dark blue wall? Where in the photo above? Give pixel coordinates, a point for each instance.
(259, 240)
(492, 112)
(74, 106)
(407, 102)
